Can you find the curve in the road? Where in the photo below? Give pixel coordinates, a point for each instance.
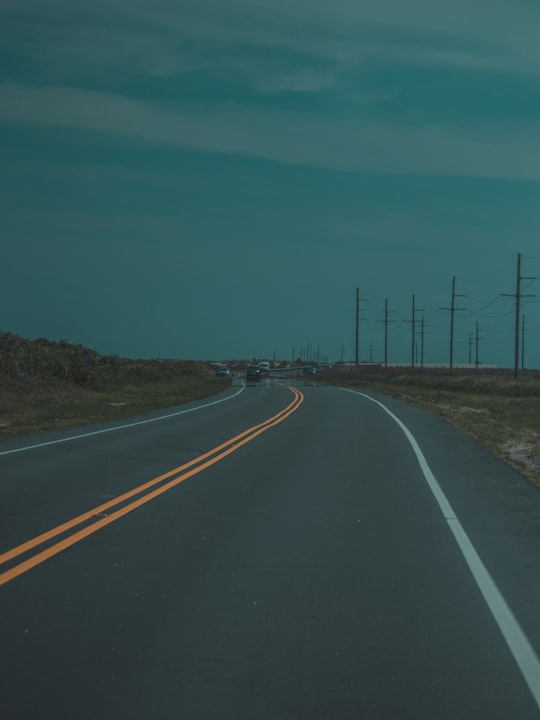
(124, 426)
(99, 517)
(520, 647)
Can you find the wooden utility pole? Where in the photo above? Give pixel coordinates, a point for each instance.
(413, 335)
(422, 334)
(473, 342)
(523, 341)
(452, 310)
(358, 298)
(518, 295)
(518, 298)
(386, 322)
(356, 326)
(476, 361)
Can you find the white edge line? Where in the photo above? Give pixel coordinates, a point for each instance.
(520, 647)
(121, 427)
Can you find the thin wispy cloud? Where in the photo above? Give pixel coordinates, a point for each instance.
(340, 31)
(294, 138)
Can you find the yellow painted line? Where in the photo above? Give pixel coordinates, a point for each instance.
(178, 475)
(100, 510)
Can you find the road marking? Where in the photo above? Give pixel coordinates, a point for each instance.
(121, 427)
(518, 643)
(98, 517)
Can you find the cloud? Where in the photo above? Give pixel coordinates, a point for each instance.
(300, 81)
(355, 64)
(350, 143)
(173, 36)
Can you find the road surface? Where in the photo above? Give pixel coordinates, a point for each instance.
(271, 553)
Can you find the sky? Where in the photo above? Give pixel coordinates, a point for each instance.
(201, 179)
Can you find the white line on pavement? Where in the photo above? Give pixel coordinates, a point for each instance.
(120, 427)
(520, 647)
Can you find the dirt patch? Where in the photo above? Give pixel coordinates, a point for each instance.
(524, 451)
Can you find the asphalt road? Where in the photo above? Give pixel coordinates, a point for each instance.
(270, 553)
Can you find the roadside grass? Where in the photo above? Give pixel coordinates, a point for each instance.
(46, 385)
(58, 405)
(501, 413)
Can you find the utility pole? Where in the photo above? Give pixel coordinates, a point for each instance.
(356, 326)
(474, 342)
(413, 321)
(476, 361)
(358, 298)
(518, 298)
(386, 321)
(412, 334)
(518, 295)
(422, 333)
(523, 341)
(452, 310)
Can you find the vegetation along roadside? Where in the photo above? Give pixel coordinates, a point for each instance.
(47, 385)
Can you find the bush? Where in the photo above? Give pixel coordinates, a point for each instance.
(24, 362)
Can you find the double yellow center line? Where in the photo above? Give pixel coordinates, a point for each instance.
(113, 510)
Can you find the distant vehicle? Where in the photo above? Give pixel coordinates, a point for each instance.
(253, 373)
(264, 366)
(309, 371)
(223, 371)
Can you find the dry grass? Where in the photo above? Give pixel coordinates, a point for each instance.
(52, 405)
(48, 385)
(509, 427)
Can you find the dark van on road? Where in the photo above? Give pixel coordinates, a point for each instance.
(253, 373)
